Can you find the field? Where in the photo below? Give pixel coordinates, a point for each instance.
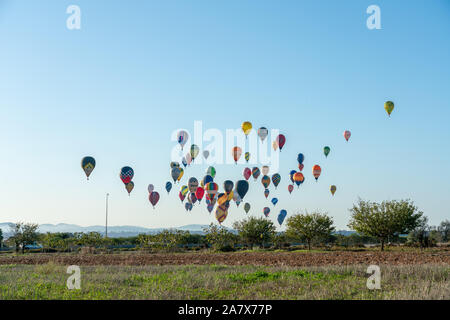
(411, 274)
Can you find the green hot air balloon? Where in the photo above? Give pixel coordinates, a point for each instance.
(389, 107)
(326, 151)
(247, 207)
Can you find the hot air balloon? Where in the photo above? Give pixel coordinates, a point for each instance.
(199, 193)
(150, 188)
(389, 106)
(184, 162)
(221, 213)
(255, 172)
(266, 193)
(210, 207)
(193, 184)
(211, 172)
(206, 179)
(228, 186)
(236, 153)
(230, 195)
(247, 128)
(188, 206)
(290, 188)
(247, 173)
(211, 189)
(237, 199)
(222, 198)
(129, 186)
(192, 198)
(247, 207)
(181, 196)
(281, 140)
(88, 165)
(262, 133)
(266, 211)
(316, 171)
(168, 186)
(154, 198)
(188, 158)
(184, 190)
(175, 173)
(274, 201)
(206, 154)
(300, 158)
(126, 174)
(181, 174)
(194, 151)
(291, 175)
(265, 170)
(333, 189)
(174, 164)
(301, 166)
(326, 151)
(276, 178)
(298, 178)
(265, 180)
(182, 138)
(275, 145)
(242, 188)
(347, 134)
(247, 156)
(282, 216)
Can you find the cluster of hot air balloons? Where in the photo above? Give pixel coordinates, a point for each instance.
(195, 191)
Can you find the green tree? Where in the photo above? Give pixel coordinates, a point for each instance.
(310, 227)
(1, 238)
(255, 230)
(384, 220)
(220, 238)
(24, 234)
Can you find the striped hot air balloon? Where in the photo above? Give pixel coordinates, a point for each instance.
(276, 178)
(236, 153)
(316, 171)
(255, 173)
(265, 180)
(266, 211)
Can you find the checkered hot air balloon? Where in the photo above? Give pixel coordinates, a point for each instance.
(88, 165)
(126, 174)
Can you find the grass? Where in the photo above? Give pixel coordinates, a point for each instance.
(48, 281)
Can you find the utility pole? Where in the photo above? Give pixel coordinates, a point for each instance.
(106, 226)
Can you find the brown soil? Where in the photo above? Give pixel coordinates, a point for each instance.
(239, 258)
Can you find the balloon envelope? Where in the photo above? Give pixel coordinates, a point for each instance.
(246, 127)
(221, 213)
(247, 207)
(266, 211)
(154, 198)
(262, 133)
(188, 206)
(181, 196)
(247, 173)
(211, 172)
(206, 154)
(282, 216)
(290, 188)
(266, 193)
(88, 165)
(193, 184)
(276, 178)
(247, 156)
(274, 201)
(150, 188)
(255, 172)
(265, 170)
(347, 134)
(333, 189)
(316, 171)
(129, 186)
(182, 138)
(242, 188)
(194, 151)
(168, 186)
(300, 158)
(199, 193)
(265, 180)
(184, 190)
(228, 186)
(281, 140)
(126, 174)
(236, 153)
(389, 107)
(175, 173)
(326, 151)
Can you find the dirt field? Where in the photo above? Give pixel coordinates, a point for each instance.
(293, 259)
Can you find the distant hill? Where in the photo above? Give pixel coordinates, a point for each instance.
(113, 231)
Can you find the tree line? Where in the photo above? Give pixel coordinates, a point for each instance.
(373, 222)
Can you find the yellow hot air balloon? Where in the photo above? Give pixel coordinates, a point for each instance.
(333, 189)
(247, 128)
(181, 174)
(389, 106)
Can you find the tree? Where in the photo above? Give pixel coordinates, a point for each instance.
(220, 238)
(444, 230)
(1, 238)
(24, 234)
(310, 227)
(255, 230)
(384, 220)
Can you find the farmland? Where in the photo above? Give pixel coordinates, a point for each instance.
(405, 274)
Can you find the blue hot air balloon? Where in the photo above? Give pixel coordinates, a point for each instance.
(300, 158)
(291, 175)
(274, 201)
(168, 186)
(281, 216)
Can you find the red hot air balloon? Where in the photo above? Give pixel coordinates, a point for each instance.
(301, 166)
(236, 153)
(199, 193)
(281, 140)
(247, 173)
(347, 134)
(154, 198)
(316, 171)
(290, 188)
(266, 211)
(181, 196)
(126, 174)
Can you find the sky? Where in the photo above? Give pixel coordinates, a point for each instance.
(137, 71)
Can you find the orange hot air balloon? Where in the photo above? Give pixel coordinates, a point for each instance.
(236, 152)
(347, 134)
(275, 145)
(298, 178)
(316, 171)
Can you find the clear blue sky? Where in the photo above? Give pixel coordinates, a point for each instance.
(137, 70)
